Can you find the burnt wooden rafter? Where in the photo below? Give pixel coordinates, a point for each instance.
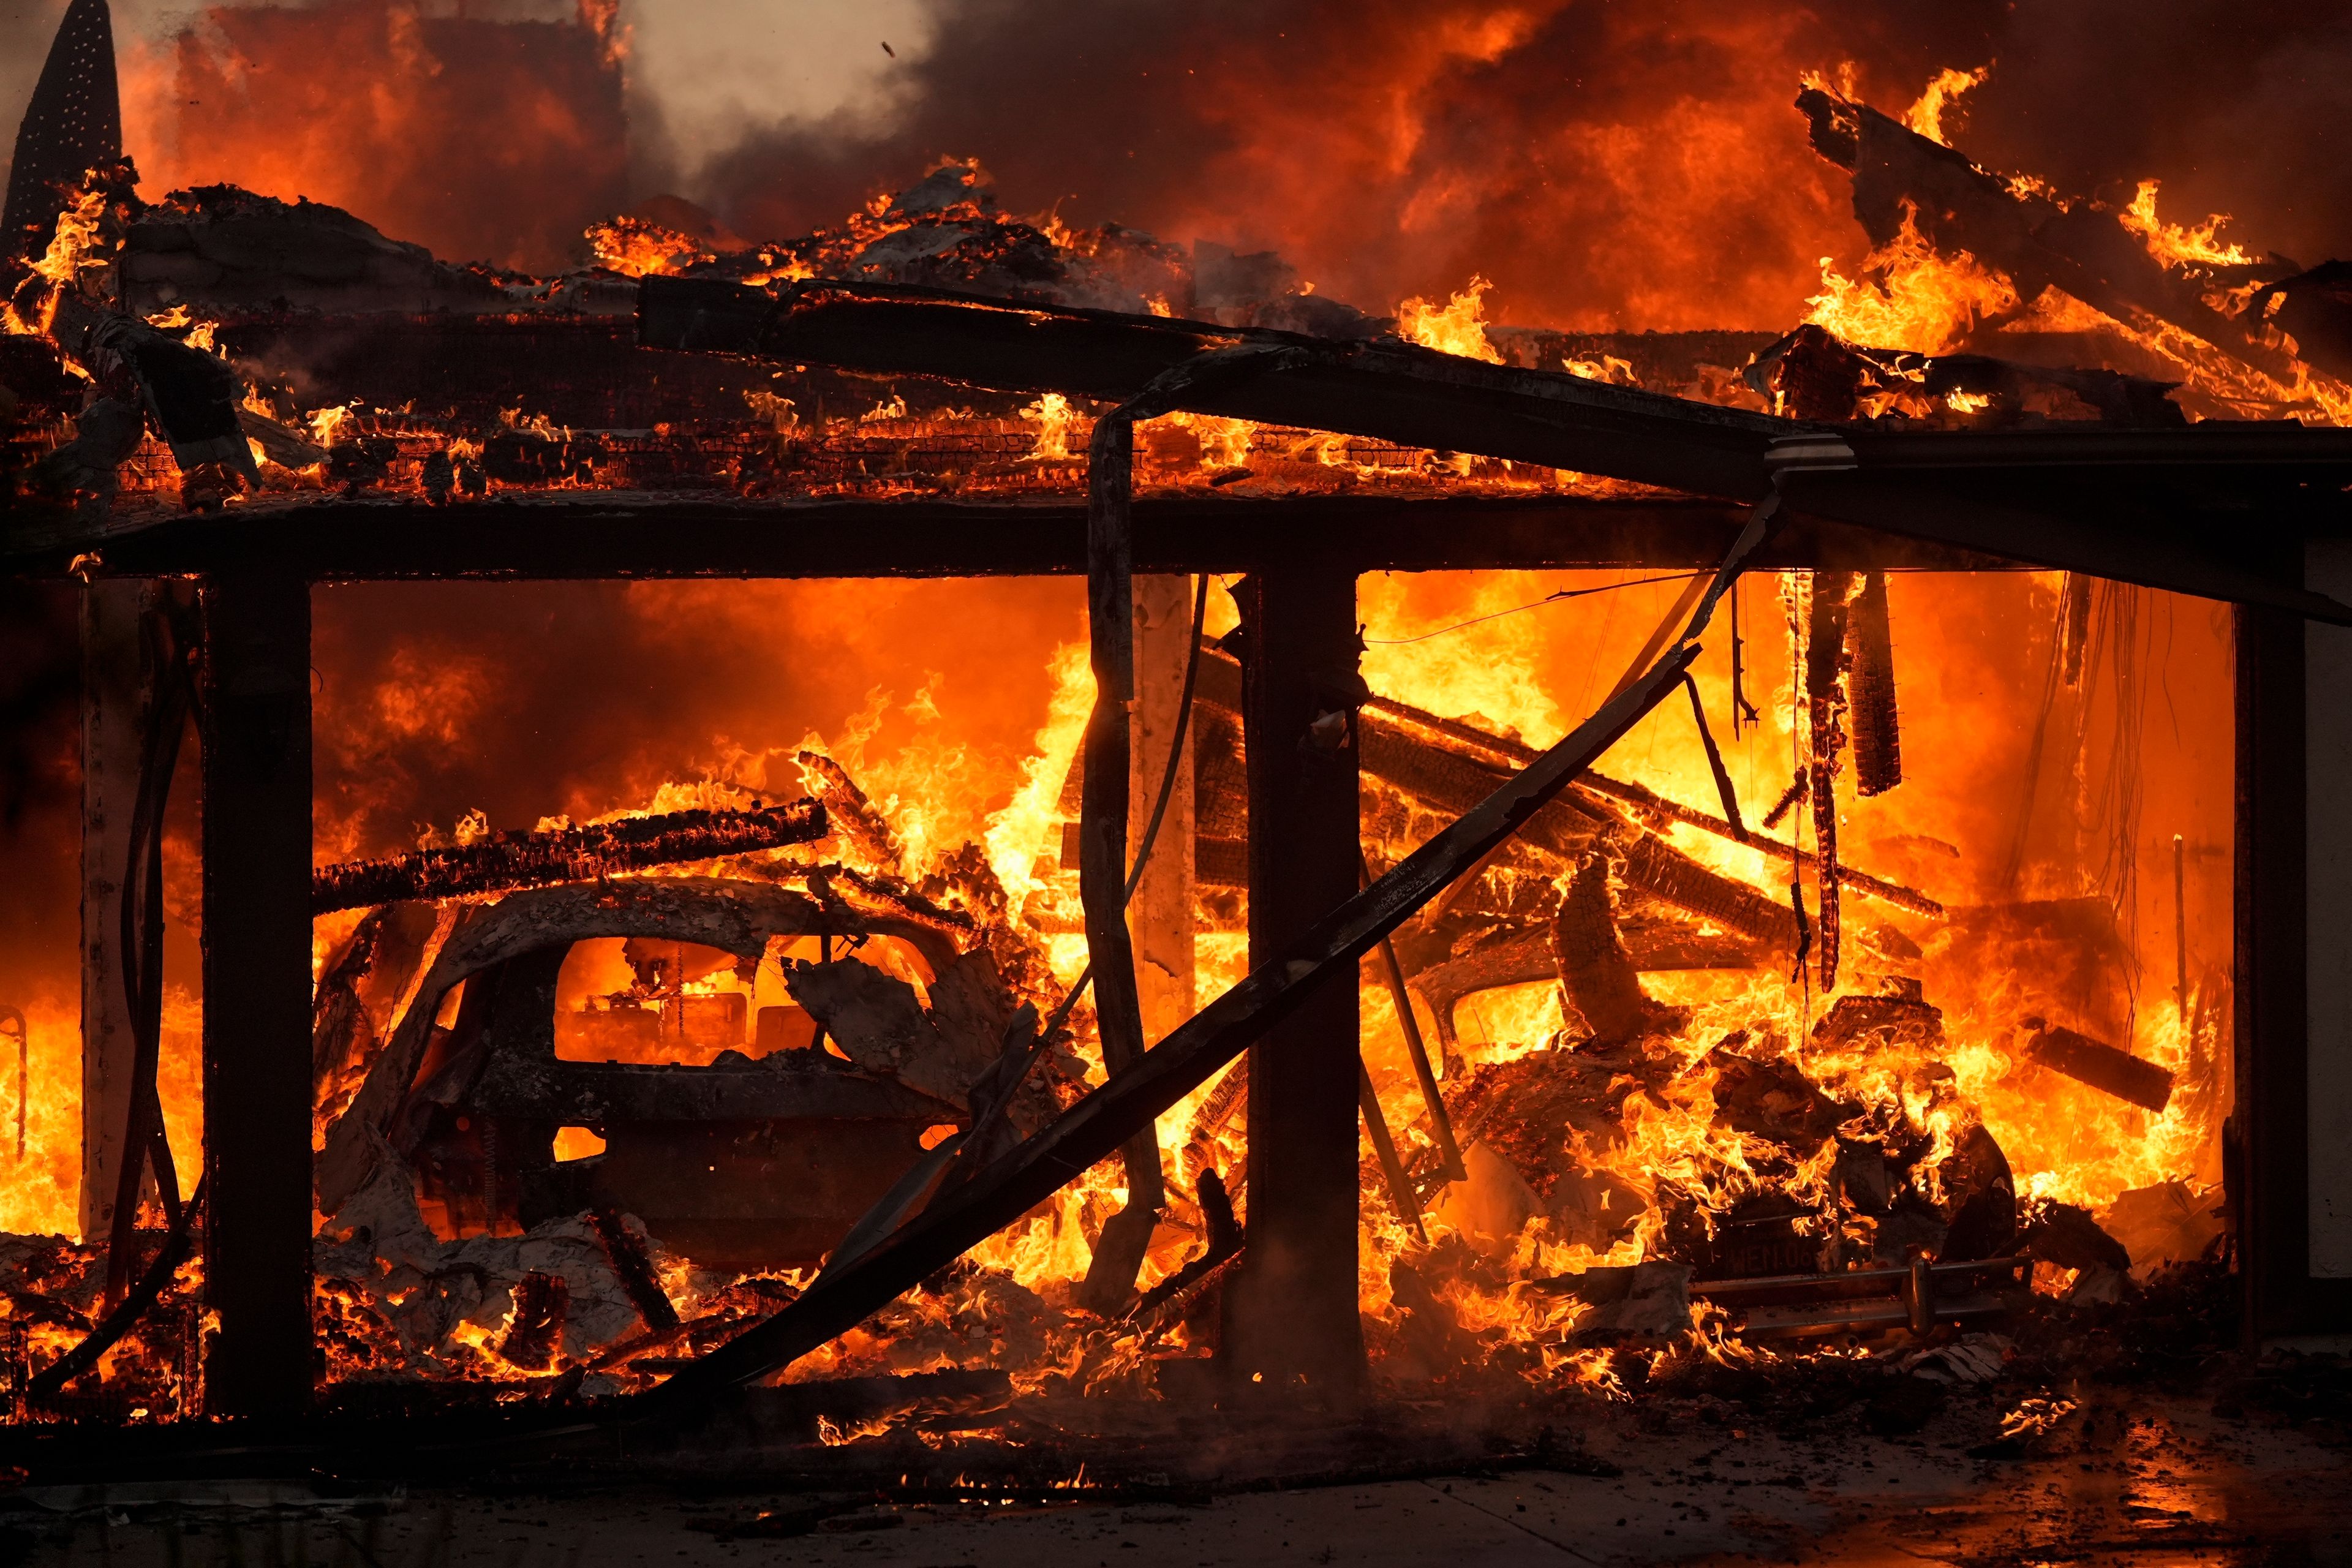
(1384, 388)
(1901, 176)
(2149, 507)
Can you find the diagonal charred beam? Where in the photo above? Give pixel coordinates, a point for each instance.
(1671, 877)
(1384, 388)
(2101, 1065)
(581, 854)
(1327, 953)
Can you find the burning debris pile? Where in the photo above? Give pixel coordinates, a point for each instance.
(530, 1187)
(366, 366)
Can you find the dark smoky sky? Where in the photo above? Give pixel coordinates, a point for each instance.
(1606, 164)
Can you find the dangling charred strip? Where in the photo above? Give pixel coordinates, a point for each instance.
(1825, 668)
(1870, 653)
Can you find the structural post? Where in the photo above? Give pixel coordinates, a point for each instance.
(256, 968)
(1161, 914)
(2290, 1185)
(117, 693)
(2328, 881)
(1292, 1317)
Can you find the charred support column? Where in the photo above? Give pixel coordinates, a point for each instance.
(1160, 915)
(2328, 881)
(116, 695)
(1292, 1317)
(2290, 981)
(256, 968)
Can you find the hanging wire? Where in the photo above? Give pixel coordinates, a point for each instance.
(1537, 604)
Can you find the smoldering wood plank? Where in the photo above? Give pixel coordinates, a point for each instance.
(114, 702)
(509, 860)
(2101, 1065)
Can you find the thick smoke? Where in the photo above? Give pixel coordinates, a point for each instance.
(1606, 164)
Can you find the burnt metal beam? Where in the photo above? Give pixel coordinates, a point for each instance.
(1030, 1173)
(257, 987)
(1292, 1316)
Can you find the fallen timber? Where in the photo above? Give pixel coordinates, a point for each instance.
(1649, 803)
(1900, 175)
(1452, 765)
(1033, 1171)
(2137, 506)
(2101, 1065)
(506, 861)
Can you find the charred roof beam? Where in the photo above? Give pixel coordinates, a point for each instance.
(2175, 509)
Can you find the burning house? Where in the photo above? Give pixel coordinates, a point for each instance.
(1535, 872)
